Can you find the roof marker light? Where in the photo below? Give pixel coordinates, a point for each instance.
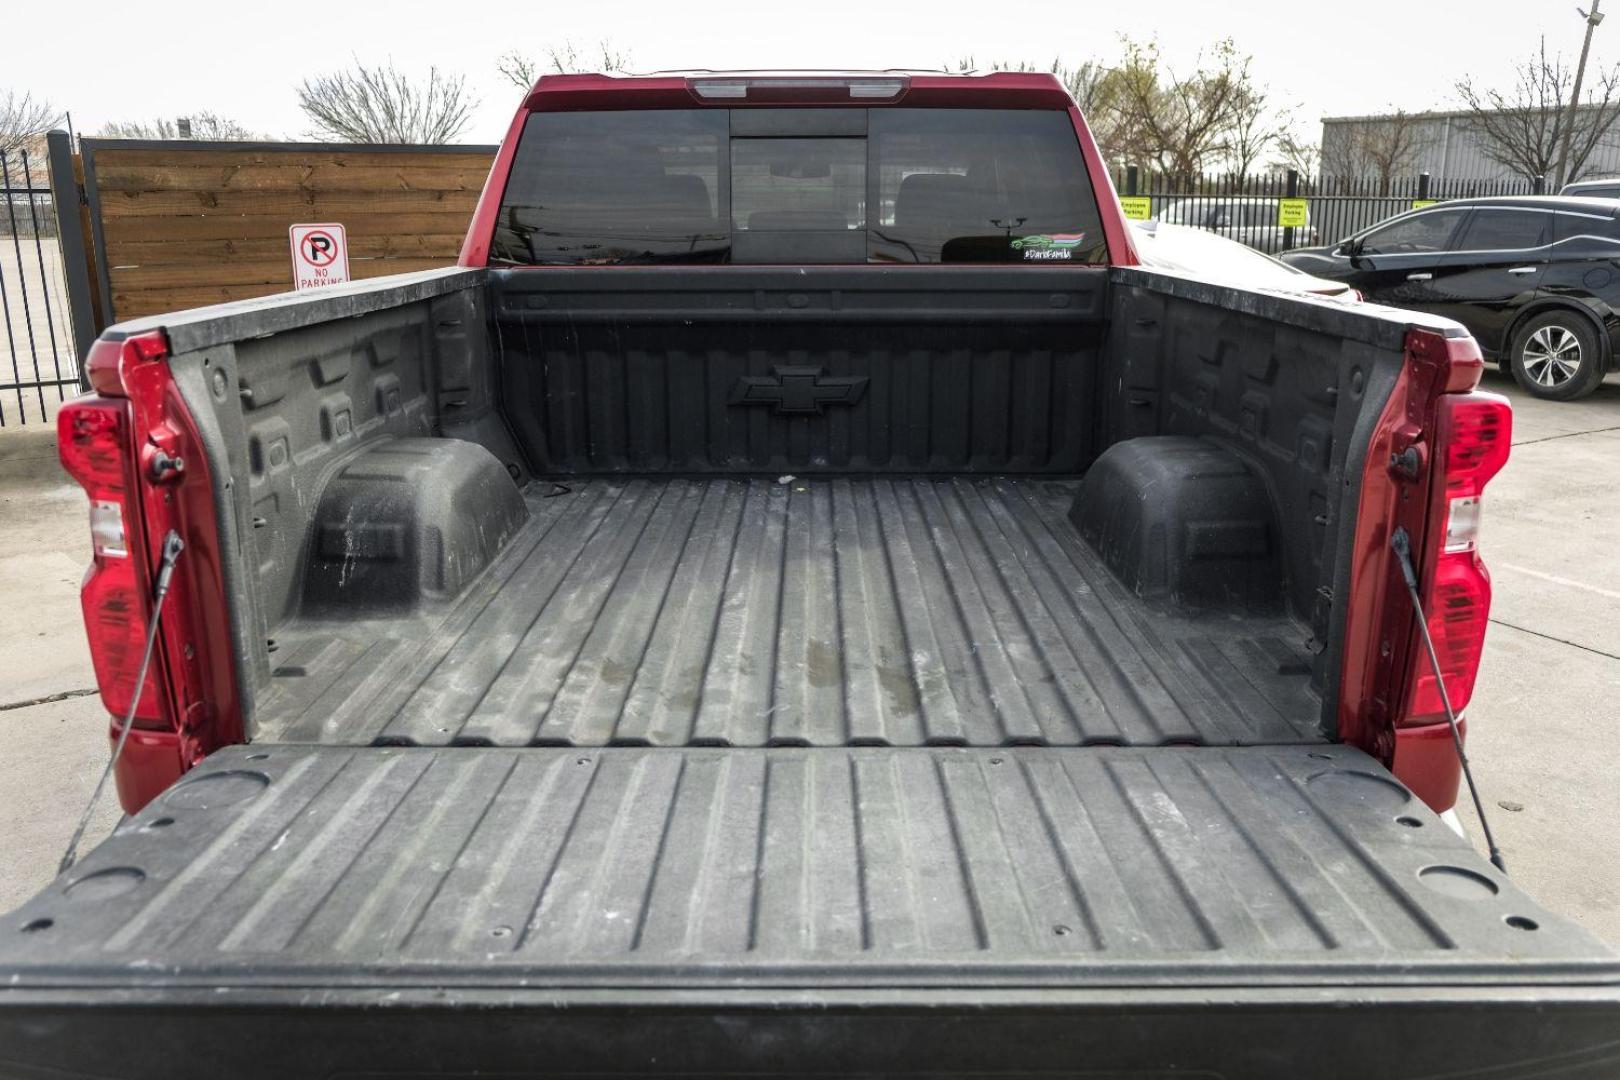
(719, 88)
(877, 88)
(776, 88)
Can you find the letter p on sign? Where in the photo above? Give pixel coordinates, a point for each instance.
(320, 255)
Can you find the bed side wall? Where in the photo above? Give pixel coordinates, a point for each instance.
(1290, 386)
(287, 409)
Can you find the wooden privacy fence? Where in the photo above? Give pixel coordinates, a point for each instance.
(182, 224)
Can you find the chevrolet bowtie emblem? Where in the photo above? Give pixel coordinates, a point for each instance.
(798, 389)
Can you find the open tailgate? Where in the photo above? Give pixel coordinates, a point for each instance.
(1096, 912)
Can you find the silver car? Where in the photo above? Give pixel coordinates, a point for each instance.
(1250, 220)
(1608, 188)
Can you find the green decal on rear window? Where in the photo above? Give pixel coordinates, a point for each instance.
(1046, 247)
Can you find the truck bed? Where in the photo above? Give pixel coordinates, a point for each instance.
(317, 910)
(801, 611)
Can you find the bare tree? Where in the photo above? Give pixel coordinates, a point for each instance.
(1521, 127)
(1393, 146)
(1256, 126)
(522, 70)
(1378, 148)
(1298, 153)
(1341, 151)
(384, 105)
(203, 126)
(22, 119)
(1179, 121)
(517, 69)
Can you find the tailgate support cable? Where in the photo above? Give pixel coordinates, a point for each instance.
(1403, 552)
(172, 546)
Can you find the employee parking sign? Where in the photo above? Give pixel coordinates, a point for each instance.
(1293, 213)
(1136, 207)
(320, 255)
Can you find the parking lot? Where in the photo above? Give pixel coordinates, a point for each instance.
(1542, 733)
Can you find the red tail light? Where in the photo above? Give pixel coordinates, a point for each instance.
(1436, 445)
(97, 449)
(1475, 432)
(139, 454)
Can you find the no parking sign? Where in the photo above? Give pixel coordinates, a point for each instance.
(320, 255)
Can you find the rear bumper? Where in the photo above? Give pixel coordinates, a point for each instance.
(1253, 1033)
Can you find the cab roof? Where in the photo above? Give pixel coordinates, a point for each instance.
(749, 89)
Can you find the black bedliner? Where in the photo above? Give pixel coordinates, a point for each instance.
(807, 867)
(805, 611)
(1098, 900)
(826, 598)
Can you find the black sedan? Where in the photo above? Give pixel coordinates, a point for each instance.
(1535, 279)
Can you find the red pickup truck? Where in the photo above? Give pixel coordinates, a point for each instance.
(796, 600)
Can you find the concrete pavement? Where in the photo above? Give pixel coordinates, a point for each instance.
(55, 749)
(1544, 739)
(1542, 734)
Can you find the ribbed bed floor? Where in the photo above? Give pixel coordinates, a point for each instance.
(747, 867)
(818, 612)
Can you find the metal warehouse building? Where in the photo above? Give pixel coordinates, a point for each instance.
(1446, 145)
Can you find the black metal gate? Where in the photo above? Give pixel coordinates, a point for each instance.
(39, 359)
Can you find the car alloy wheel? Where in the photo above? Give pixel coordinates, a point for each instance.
(1552, 356)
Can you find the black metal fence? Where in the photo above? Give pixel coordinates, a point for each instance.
(1250, 208)
(39, 365)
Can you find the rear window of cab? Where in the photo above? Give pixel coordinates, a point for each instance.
(889, 185)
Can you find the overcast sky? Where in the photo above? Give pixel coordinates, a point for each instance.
(128, 60)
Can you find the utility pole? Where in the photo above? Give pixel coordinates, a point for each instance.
(1592, 19)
